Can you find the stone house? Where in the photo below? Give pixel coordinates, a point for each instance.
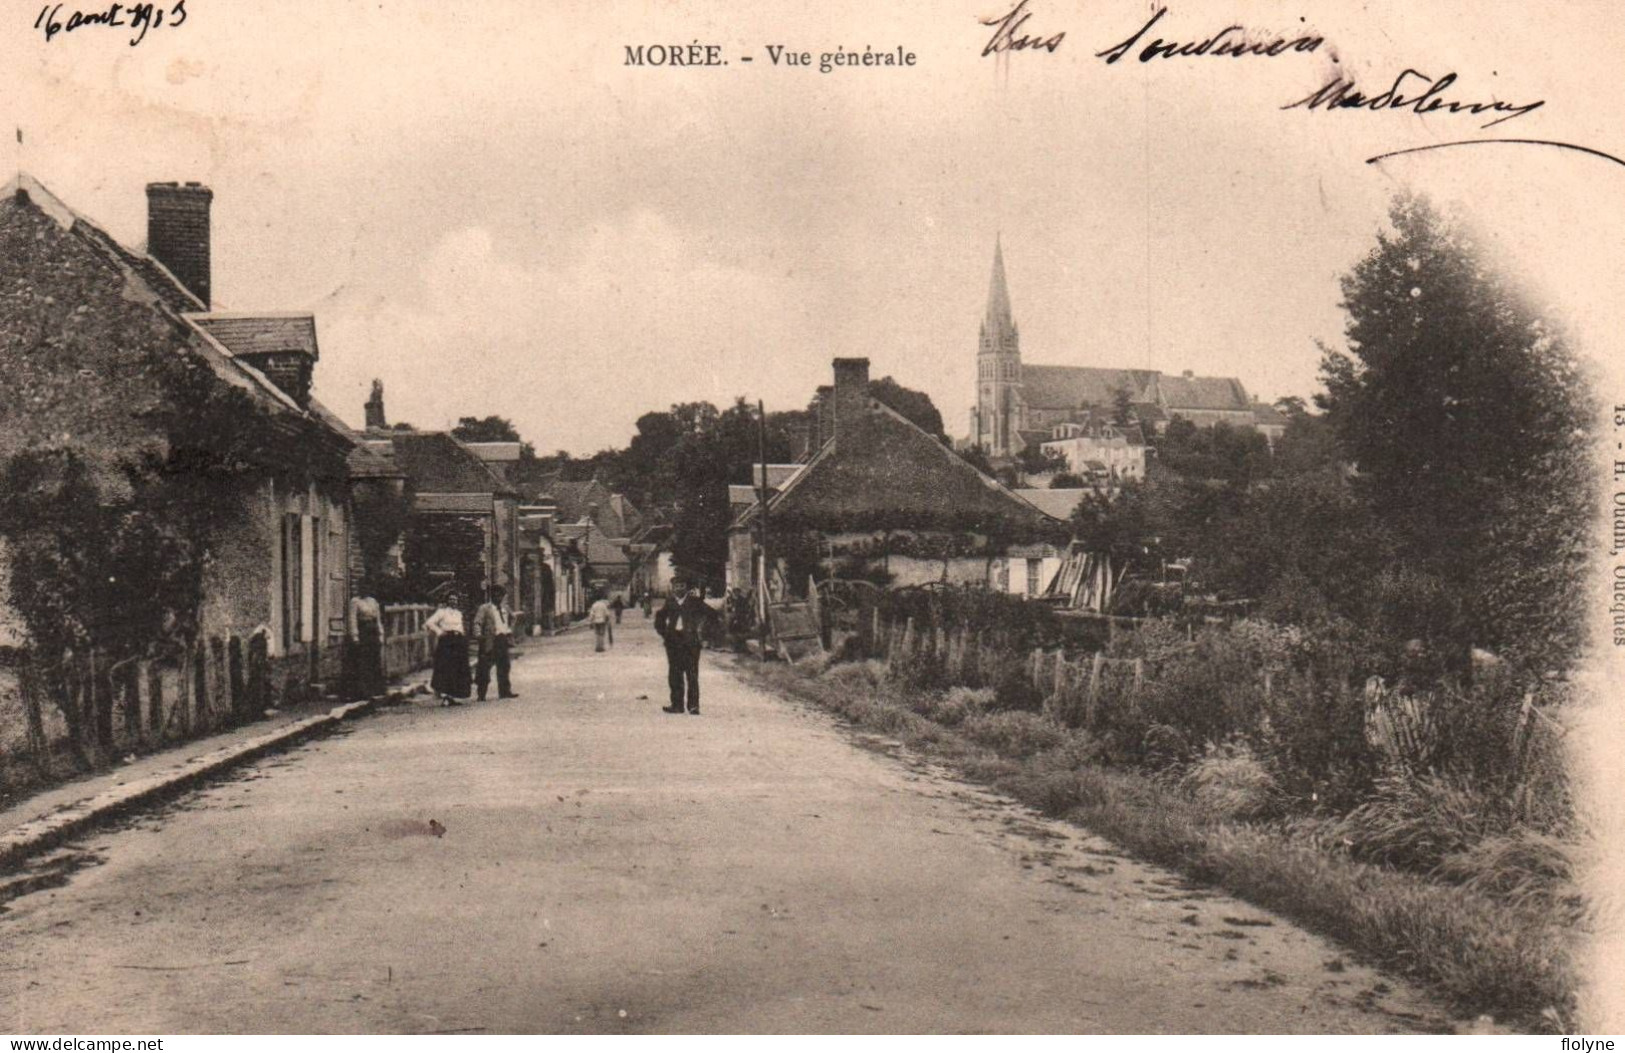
(115, 358)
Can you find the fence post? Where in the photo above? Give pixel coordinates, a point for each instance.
(1094, 690)
(155, 699)
(101, 697)
(1060, 675)
(39, 749)
(186, 685)
(132, 701)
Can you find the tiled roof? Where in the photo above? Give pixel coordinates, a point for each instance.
(1058, 503)
(261, 334)
(1265, 414)
(885, 464)
(1068, 387)
(1202, 393)
(435, 462)
(147, 281)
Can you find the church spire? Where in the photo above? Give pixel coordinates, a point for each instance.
(1000, 320)
(1000, 324)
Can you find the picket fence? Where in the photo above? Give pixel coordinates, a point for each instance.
(86, 709)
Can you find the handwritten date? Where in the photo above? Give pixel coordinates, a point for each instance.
(137, 18)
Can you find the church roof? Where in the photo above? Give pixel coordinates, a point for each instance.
(1202, 393)
(1069, 387)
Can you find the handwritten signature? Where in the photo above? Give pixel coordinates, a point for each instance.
(1341, 94)
(139, 18)
(1234, 41)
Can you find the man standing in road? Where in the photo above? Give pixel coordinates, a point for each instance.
(493, 628)
(601, 625)
(681, 624)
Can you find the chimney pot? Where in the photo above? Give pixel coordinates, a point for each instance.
(375, 408)
(178, 233)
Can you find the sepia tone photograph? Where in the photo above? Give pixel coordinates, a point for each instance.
(991, 517)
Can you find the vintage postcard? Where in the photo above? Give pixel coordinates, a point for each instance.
(971, 516)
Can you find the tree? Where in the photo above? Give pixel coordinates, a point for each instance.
(1461, 404)
(1035, 460)
(486, 429)
(977, 456)
(1122, 407)
(915, 405)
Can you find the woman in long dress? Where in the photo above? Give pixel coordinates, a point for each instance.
(451, 681)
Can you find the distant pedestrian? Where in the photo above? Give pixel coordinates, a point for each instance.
(365, 626)
(602, 627)
(450, 642)
(617, 605)
(681, 624)
(648, 604)
(493, 629)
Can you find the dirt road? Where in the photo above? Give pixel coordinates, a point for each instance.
(607, 867)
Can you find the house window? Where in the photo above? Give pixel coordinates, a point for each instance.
(1034, 567)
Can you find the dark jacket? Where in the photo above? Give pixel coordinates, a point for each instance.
(682, 623)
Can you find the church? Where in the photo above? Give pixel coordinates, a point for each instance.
(1020, 405)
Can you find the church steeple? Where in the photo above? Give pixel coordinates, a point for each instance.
(998, 367)
(1000, 319)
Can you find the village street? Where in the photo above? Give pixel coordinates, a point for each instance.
(607, 867)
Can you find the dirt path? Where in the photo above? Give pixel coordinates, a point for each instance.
(608, 867)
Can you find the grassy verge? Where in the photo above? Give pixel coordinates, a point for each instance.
(1481, 955)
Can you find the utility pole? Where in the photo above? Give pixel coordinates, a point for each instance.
(761, 455)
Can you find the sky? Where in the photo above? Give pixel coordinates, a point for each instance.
(490, 212)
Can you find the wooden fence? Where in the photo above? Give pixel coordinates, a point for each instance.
(1071, 688)
(85, 709)
(406, 644)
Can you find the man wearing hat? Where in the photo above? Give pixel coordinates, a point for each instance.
(681, 624)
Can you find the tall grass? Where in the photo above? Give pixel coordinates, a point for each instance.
(1483, 918)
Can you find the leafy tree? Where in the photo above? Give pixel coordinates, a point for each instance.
(1122, 407)
(977, 456)
(1467, 416)
(1035, 460)
(486, 429)
(915, 405)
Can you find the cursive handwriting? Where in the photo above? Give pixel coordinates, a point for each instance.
(1341, 94)
(138, 18)
(1231, 41)
(1004, 33)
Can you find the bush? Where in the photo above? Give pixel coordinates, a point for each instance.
(952, 708)
(1229, 782)
(1013, 734)
(855, 675)
(1523, 867)
(1417, 821)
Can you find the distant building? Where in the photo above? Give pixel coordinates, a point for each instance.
(1017, 403)
(880, 495)
(1099, 453)
(464, 526)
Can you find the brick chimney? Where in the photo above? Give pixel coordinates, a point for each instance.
(375, 408)
(851, 392)
(178, 232)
